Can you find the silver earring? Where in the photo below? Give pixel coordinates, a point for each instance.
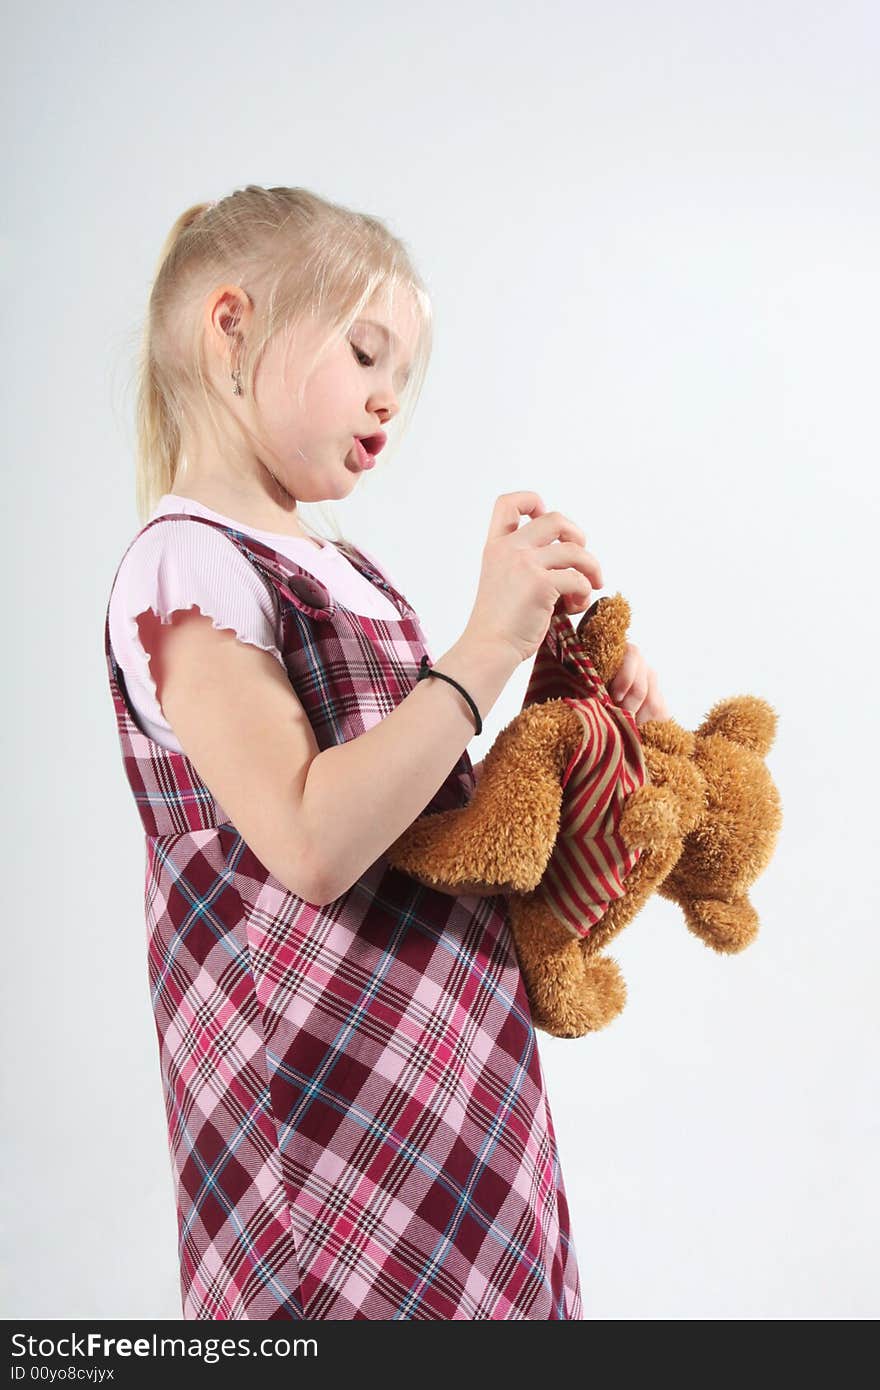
(236, 377)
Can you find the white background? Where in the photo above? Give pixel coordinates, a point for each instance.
(650, 233)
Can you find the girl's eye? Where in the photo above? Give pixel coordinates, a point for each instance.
(367, 361)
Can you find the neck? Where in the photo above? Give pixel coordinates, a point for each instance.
(248, 506)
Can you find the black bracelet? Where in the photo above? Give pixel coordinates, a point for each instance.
(426, 670)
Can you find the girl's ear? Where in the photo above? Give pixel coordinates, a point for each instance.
(229, 311)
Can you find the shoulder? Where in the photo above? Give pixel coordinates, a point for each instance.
(182, 550)
(182, 563)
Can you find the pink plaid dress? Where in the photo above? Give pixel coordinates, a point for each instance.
(357, 1114)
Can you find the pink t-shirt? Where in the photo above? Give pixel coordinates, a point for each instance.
(174, 567)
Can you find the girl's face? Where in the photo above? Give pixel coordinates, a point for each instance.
(354, 391)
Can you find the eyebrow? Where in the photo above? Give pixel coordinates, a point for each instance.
(388, 336)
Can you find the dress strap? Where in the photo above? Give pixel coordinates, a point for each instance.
(371, 572)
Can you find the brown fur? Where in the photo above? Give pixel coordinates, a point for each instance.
(706, 823)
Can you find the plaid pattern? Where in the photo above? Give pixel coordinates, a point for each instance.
(357, 1113)
(591, 860)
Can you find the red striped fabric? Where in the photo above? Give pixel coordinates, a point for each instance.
(591, 860)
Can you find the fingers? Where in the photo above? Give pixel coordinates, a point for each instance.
(510, 508)
(629, 685)
(574, 592)
(554, 541)
(635, 688)
(540, 533)
(548, 527)
(567, 555)
(654, 706)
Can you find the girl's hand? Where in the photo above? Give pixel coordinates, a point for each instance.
(524, 574)
(634, 687)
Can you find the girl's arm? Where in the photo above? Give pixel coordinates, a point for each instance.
(317, 819)
(361, 795)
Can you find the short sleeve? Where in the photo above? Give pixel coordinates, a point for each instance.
(176, 566)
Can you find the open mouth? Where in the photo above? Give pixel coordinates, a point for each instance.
(373, 443)
(362, 452)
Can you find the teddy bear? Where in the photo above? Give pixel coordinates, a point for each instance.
(580, 815)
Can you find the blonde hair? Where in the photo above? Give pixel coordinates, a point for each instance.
(297, 256)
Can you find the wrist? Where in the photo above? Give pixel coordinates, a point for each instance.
(483, 667)
(491, 656)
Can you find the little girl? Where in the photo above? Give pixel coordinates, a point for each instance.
(357, 1114)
